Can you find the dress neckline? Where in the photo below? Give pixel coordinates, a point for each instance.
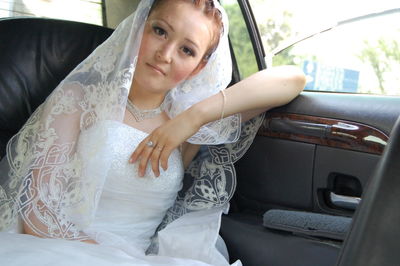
(145, 134)
(126, 126)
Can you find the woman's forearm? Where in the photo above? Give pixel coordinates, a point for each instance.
(262, 91)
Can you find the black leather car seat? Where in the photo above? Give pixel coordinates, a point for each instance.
(35, 55)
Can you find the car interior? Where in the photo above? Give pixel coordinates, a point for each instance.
(319, 185)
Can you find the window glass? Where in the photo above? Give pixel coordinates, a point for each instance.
(357, 51)
(89, 11)
(240, 39)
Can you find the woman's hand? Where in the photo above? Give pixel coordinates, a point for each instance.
(261, 91)
(158, 145)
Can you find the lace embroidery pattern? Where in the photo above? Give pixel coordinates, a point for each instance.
(45, 178)
(43, 181)
(210, 178)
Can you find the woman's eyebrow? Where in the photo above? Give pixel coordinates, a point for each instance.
(169, 25)
(187, 39)
(192, 42)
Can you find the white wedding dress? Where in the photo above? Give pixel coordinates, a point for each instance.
(129, 210)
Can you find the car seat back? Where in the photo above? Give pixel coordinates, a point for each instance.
(36, 54)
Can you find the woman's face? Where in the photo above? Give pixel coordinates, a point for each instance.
(176, 37)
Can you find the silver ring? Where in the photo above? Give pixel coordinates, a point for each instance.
(150, 144)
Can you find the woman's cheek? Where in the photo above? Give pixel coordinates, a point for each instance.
(144, 47)
(181, 73)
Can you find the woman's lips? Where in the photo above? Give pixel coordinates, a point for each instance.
(157, 69)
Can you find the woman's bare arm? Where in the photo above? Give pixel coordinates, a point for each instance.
(256, 94)
(261, 91)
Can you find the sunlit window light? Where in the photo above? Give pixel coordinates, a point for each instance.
(89, 11)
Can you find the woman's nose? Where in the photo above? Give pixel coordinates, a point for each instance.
(164, 54)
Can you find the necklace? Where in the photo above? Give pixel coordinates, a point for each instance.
(141, 115)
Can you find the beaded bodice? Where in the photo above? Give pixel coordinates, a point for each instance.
(129, 206)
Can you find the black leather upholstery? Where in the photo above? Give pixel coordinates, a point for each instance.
(35, 55)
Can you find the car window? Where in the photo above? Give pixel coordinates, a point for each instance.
(107, 13)
(240, 39)
(77, 10)
(342, 46)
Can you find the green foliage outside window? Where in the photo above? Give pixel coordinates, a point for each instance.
(241, 42)
(384, 58)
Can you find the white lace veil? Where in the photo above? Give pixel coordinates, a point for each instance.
(41, 176)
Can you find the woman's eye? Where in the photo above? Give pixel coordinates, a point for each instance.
(159, 31)
(188, 51)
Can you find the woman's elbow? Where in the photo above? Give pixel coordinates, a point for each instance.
(295, 78)
(288, 77)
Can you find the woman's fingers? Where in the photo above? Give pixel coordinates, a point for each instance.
(164, 157)
(157, 147)
(142, 153)
(155, 160)
(138, 151)
(157, 155)
(146, 151)
(144, 158)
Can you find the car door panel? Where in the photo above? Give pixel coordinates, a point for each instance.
(343, 172)
(296, 165)
(276, 172)
(377, 111)
(334, 133)
(289, 169)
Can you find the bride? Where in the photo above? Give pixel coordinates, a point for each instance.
(96, 175)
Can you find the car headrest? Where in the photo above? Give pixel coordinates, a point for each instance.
(35, 56)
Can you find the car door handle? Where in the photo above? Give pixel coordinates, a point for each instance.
(299, 127)
(343, 201)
